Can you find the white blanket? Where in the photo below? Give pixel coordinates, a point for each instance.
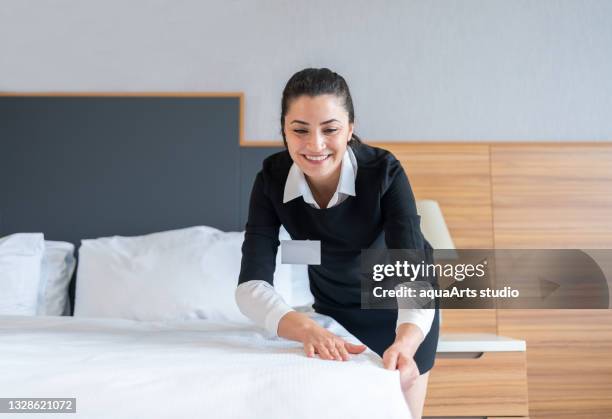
(188, 369)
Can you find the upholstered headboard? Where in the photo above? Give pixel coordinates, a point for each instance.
(77, 166)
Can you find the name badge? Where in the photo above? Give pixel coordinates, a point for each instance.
(301, 252)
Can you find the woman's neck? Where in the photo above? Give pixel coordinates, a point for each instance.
(323, 189)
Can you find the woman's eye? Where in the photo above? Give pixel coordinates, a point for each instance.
(300, 131)
(330, 130)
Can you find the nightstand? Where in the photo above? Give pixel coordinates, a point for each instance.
(478, 375)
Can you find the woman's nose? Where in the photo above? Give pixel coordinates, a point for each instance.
(316, 142)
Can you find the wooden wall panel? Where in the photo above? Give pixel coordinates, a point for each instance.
(558, 196)
(458, 177)
(552, 196)
(569, 360)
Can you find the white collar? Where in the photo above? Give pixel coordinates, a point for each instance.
(296, 184)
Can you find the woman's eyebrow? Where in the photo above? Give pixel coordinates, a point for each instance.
(297, 121)
(328, 121)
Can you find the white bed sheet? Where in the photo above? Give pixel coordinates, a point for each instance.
(188, 369)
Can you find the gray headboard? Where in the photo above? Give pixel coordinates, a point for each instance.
(85, 166)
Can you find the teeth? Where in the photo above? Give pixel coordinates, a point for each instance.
(316, 158)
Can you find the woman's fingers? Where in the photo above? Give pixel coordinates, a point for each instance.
(408, 372)
(390, 359)
(323, 351)
(354, 349)
(402, 363)
(329, 346)
(343, 352)
(407, 365)
(333, 350)
(309, 350)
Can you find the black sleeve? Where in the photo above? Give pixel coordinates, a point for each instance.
(261, 237)
(401, 222)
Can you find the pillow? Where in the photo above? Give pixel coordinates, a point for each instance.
(20, 262)
(179, 274)
(300, 291)
(58, 265)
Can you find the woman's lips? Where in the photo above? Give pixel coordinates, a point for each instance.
(316, 158)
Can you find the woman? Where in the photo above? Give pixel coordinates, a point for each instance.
(329, 186)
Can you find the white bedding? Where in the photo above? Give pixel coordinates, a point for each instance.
(187, 369)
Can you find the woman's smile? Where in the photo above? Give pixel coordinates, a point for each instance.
(317, 159)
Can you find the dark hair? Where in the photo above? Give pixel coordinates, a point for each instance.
(314, 82)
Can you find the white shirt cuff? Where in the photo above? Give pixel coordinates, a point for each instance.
(422, 317)
(274, 317)
(259, 301)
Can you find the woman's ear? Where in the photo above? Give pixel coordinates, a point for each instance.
(284, 135)
(350, 133)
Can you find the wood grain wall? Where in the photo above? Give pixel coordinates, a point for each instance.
(530, 195)
(558, 196)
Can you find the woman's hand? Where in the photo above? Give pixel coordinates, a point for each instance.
(316, 339)
(400, 355)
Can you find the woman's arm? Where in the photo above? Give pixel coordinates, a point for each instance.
(259, 301)
(401, 224)
(255, 295)
(414, 324)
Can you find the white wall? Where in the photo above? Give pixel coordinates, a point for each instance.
(418, 70)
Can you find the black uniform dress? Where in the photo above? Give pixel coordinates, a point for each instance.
(382, 214)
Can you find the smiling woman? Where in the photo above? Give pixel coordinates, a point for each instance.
(317, 118)
(317, 145)
(330, 187)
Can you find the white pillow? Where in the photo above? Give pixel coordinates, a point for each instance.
(58, 265)
(20, 261)
(178, 274)
(300, 291)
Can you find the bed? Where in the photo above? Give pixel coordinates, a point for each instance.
(156, 332)
(117, 368)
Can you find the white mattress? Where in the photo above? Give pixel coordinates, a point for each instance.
(188, 369)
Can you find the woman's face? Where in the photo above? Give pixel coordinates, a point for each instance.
(317, 132)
